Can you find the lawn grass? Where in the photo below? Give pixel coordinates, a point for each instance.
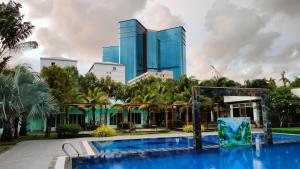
(4, 148)
(291, 130)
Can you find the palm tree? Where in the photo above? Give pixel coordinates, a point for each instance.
(8, 105)
(94, 97)
(20, 92)
(13, 32)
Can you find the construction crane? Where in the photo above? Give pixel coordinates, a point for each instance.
(283, 78)
(216, 74)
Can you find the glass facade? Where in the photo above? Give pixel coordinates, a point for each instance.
(111, 54)
(152, 51)
(171, 51)
(133, 48)
(143, 50)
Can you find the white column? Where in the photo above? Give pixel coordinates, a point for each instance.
(212, 116)
(231, 110)
(255, 114)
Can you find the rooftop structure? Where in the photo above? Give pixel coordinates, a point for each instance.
(142, 50)
(113, 70)
(59, 61)
(162, 75)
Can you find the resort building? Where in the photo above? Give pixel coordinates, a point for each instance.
(59, 61)
(113, 70)
(244, 106)
(164, 75)
(142, 50)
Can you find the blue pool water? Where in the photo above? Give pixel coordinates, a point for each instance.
(159, 143)
(259, 156)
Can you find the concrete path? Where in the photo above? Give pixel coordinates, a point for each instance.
(37, 154)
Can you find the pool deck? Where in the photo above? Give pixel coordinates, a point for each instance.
(39, 154)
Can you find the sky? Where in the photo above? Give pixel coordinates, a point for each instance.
(241, 39)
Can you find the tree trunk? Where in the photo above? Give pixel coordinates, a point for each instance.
(23, 129)
(16, 126)
(94, 118)
(48, 126)
(7, 132)
(105, 111)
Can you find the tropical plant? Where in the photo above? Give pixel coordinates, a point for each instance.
(13, 32)
(21, 95)
(104, 131)
(9, 105)
(95, 98)
(187, 128)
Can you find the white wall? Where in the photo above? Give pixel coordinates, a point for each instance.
(115, 71)
(60, 63)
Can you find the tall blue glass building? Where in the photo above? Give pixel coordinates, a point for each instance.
(143, 50)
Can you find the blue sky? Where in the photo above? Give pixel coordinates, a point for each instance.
(242, 39)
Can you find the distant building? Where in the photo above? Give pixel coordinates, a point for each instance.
(244, 106)
(111, 54)
(59, 61)
(142, 50)
(113, 70)
(162, 75)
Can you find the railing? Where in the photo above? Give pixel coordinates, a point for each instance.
(64, 150)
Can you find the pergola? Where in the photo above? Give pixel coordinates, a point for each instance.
(81, 105)
(129, 106)
(224, 91)
(187, 107)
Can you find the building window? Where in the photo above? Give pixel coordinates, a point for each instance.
(114, 119)
(137, 118)
(114, 68)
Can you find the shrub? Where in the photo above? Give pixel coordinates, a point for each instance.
(177, 123)
(124, 125)
(68, 130)
(104, 131)
(188, 128)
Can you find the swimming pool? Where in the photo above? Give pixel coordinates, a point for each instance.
(179, 142)
(260, 156)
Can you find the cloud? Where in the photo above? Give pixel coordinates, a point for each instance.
(236, 33)
(79, 29)
(157, 16)
(287, 7)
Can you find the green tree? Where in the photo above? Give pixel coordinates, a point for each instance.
(220, 82)
(284, 103)
(261, 83)
(295, 83)
(88, 82)
(60, 82)
(13, 32)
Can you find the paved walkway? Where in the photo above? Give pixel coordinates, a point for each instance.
(37, 154)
